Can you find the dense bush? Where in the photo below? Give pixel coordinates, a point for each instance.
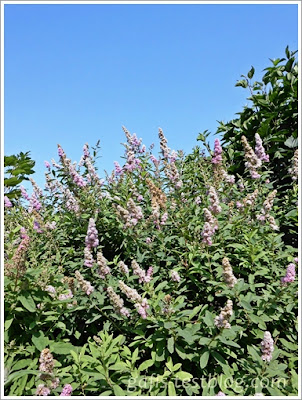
(170, 277)
(272, 112)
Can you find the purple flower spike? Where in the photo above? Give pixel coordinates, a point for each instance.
(217, 158)
(7, 202)
(67, 390)
(290, 274)
(92, 235)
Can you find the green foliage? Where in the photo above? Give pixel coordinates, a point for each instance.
(272, 112)
(164, 339)
(17, 168)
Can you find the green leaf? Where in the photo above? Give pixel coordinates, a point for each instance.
(170, 345)
(171, 389)
(39, 340)
(8, 323)
(61, 348)
(118, 391)
(204, 358)
(183, 376)
(291, 142)
(28, 302)
(18, 374)
(145, 365)
(288, 345)
(251, 72)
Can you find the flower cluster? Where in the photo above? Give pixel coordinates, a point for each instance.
(7, 202)
(228, 178)
(92, 175)
(215, 208)
(17, 266)
(175, 276)
(227, 274)
(66, 296)
(88, 257)
(34, 203)
(70, 168)
(42, 390)
(91, 239)
(131, 216)
(140, 304)
(222, 321)
(217, 158)
(103, 269)
(135, 212)
(51, 291)
(266, 208)
(253, 163)
(84, 285)
(142, 308)
(117, 302)
(46, 362)
(143, 275)
(50, 225)
(132, 294)
(250, 199)
(290, 274)
(67, 390)
(259, 149)
(70, 201)
(210, 227)
(47, 371)
(123, 268)
(163, 144)
(267, 347)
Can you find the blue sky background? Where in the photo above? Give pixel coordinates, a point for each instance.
(77, 73)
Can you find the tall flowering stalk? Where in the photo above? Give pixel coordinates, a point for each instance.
(132, 294)
(117, 302)
(143, 275)
(169, 158)
(67, 390)
(253, 163)
(91, 240)
(103, 269)
(267, 347)
(259, 149)
(217, 157)
(84, 285)
(290, 274)
(250, 199)
(92, 175)
(46, 362)
(141, 304)
(123, 268)
(131, 215)
(266, 208)
(70, 168)
(7, 202)
(17, 266)
(210, 227)
(222, 321)
(215, 208)
(227, 274)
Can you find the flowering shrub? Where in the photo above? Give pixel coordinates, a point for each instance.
(168, 274)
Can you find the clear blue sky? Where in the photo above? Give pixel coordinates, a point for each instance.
(77, 73)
